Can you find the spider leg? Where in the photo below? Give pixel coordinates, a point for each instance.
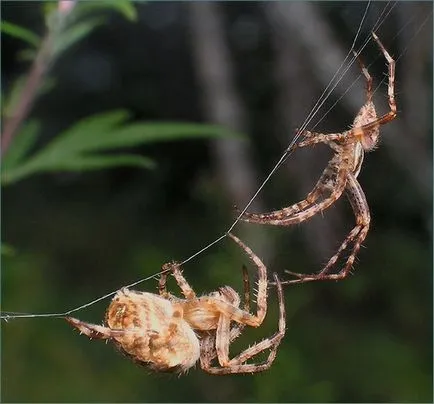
(238, 365)
(313, 138)
(207, 348)
(357, 235)
(94, 331)
(208, 340)
(175, 269)
(246, 289)
(228, 312)
(332, 183)
(162, 285)
(222, 339)
(391, 114)
(237, 328)
(208, 343)
(391, 85)
(261, 297)
(277, 215)
(368, 77)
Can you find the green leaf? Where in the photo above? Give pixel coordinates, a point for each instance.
(20, 145)
(124, 7)
(99, 133)
(89, 130)
(96, 162)
(16, 173)
(7, 250)
(77, 163)
(75, 33)
(137, 134)
(168, 131)
(78, 148)
(21, 33)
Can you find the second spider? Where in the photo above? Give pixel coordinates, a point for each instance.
(339, 176)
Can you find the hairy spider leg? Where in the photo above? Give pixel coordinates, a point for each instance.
(208, 340)
(94, 331)
(222, 342)
(391, 114)
(359, 204)
(238, 365)
(332, 183)
(175, 269)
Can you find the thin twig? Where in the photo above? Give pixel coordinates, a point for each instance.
(34, 79)
(28, 94)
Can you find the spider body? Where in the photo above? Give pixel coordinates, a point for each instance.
(339, 176)
(170, 334)
(147, 328)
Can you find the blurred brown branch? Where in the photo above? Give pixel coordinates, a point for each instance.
(28, 94)
(223, 105)
(33, 81)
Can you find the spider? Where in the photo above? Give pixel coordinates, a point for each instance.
(170, 334)
(340, 175)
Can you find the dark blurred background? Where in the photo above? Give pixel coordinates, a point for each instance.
(257, 68)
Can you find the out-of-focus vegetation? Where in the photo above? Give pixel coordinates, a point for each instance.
(73, 234)
(81, 147)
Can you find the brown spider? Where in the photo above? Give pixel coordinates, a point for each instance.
(170, 334)
(340, 175)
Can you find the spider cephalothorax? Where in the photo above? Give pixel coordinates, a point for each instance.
(340, 175)
(169, 333)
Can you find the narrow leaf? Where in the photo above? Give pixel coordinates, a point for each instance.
(143, 133)
(86, 137)
(72, 149)
(76, 138)
(20, 145)
(7, 250)
(163, 131)
(74, 34)
(73, 163)
(21, 33)
(123, 7)
(96, 162)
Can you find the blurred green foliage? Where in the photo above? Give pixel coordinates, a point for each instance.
(80, 148)
(21, 33)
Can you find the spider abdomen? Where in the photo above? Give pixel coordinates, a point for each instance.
(155, 332)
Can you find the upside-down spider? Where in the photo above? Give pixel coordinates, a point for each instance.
(340, 175)
(170, 334)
